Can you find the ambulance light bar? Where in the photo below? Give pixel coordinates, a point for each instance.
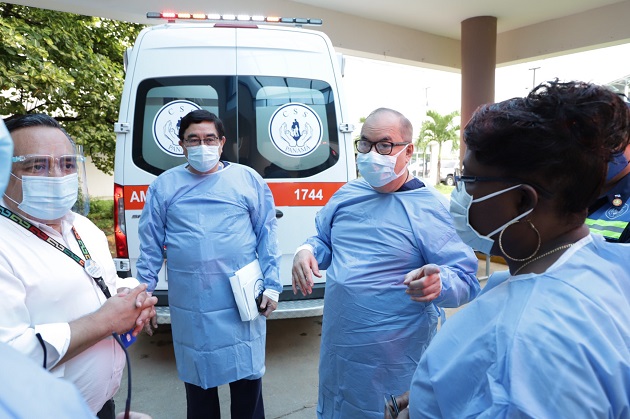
(213, 17)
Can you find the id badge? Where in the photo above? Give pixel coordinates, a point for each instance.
(93, 268)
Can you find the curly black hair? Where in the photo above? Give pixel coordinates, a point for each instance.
(561, 137)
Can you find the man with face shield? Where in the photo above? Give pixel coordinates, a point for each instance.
(378, 316)
(56, 271)
(54, 397)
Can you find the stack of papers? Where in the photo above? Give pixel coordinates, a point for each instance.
(247, 284)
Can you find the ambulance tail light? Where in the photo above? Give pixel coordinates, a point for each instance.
(120, 228)
(232, 19)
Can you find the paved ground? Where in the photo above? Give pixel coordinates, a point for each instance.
(289, 385)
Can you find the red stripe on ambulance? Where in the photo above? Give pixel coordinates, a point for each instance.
(303, 194)
(285, 194)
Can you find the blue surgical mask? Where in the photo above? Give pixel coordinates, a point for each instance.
(48, 198)
(377, 169)
(461, 201)
(6, 152)
(203, 157)
(616, 165)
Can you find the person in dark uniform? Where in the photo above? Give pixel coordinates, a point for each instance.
(610, 215)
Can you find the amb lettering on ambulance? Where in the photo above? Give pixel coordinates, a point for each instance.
(277, 88)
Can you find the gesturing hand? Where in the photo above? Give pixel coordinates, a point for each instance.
(304, 267)
(424, 284)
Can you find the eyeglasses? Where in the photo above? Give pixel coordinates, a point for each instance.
(460, 180)
(209, 140)
(382, 147)
(44, 165)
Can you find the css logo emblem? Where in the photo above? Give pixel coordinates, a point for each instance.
(166, 125)
(295, 130)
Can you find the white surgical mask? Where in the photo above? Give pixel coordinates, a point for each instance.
(203, 157)
(377, 169)
(6, 151)
(461, 201)
(48, 198)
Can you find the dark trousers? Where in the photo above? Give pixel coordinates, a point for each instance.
(246, 401)
(108, 411)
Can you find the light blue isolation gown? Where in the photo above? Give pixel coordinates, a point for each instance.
(551, 345)
(28, 391)
(212, 225)
(373, 334)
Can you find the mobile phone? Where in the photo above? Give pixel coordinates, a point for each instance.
(259, 302)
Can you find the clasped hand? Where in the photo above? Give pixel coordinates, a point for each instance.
(130, 308)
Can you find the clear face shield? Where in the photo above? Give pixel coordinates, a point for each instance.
(52, 185)
(6, 151)
(82, 206)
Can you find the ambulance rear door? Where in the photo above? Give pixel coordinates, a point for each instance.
(172, 70)
(289, 118)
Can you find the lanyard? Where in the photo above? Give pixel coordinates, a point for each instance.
(91, 267)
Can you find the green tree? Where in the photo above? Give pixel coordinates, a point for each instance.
(68, 66)
(422, 143)
(439, 128)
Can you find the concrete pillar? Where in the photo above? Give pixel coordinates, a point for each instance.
(479, 52)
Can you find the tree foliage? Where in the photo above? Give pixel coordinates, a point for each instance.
(439, 128)
(68, 66)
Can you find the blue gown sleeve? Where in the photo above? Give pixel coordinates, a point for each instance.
(48, 396)
(265, 228)
(321, 243)
(458, 273)
(458, 264)
(152, 234)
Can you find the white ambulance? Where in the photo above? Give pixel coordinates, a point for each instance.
(278, 91)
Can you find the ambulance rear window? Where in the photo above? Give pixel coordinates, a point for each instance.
(281, 127)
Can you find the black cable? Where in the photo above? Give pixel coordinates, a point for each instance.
(124, 348)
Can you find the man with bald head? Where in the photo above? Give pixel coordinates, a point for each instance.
(392, 258)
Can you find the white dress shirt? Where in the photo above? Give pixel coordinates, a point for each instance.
(43, 289)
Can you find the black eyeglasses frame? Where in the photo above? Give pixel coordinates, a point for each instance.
(461, 179)
(375, 145)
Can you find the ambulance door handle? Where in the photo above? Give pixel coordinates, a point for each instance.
(279, 213)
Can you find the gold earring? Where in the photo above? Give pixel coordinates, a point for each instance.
(516, 259)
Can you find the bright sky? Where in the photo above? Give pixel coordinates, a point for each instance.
(370, 84)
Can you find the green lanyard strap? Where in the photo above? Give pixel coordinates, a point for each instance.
(7, 213)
